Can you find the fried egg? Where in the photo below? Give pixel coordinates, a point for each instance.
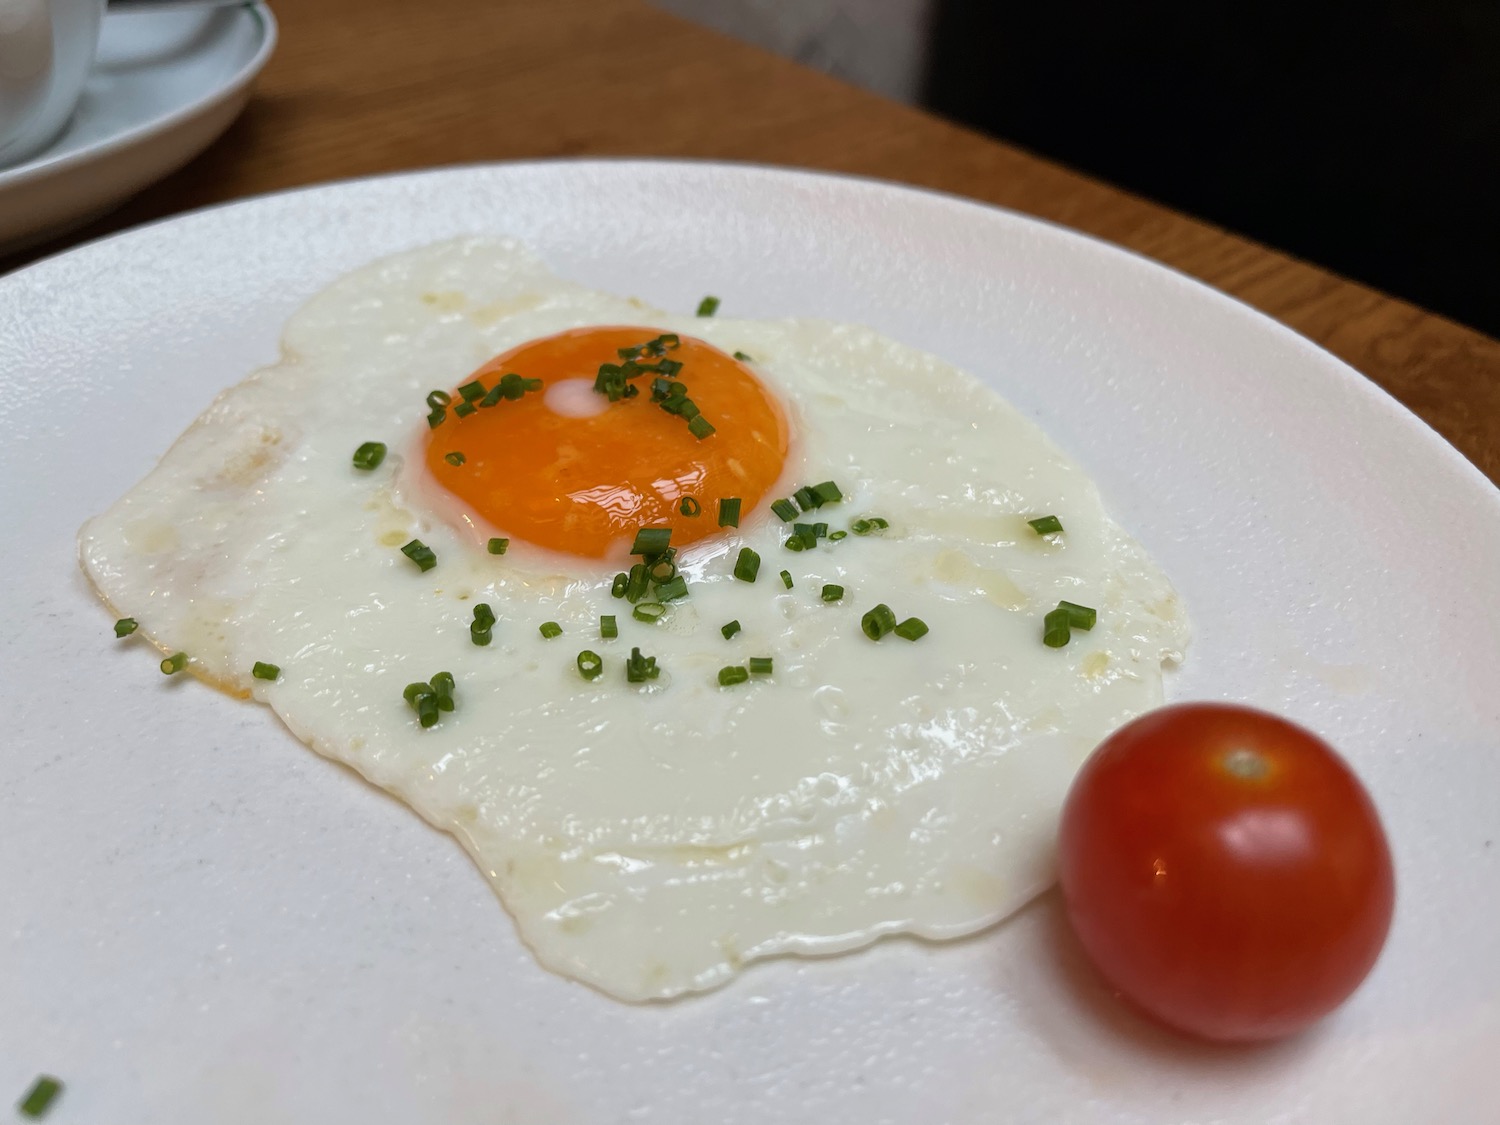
(651, 834)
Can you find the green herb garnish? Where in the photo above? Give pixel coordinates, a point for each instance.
(743, 358)
(263, 671)
(651, 541)
(786, 579)
(760, 665)
(590, 665)
(729, 512)
(480, 628)
(39, 1098)
(689, 506)
(732, 674)
(708, 306)
(1046, 525)
(125, 626)
(747, 566)
(1079, 616)
(832, 592)
(607, 627)
(421, 554)
(639, 669)
(672, 590)
(455, 458)
(550, 629)
(878, 622)
(369, 455)
(913, 628)
(174, 664)
(649, 612)
(1056, 628)
(785, 509)
(730, 629)
(498, 546)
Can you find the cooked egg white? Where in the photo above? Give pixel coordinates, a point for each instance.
(652, 839)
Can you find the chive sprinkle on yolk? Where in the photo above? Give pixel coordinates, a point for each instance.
(570, 470)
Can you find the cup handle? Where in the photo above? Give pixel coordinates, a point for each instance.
(25, 62)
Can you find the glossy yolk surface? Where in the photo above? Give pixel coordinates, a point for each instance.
(536, 470)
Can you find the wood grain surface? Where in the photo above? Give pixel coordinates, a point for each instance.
(368, 86)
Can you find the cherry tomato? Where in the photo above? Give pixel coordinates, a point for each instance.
(1225, 870)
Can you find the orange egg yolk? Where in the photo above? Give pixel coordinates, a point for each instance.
(566, 469)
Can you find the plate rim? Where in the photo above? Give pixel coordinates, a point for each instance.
(34, 171)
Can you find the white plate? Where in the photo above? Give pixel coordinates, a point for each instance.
(164, 85)
(204, 921)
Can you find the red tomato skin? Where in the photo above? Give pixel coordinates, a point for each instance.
(1231, 907)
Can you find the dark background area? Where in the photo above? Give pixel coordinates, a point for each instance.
(1365, 138)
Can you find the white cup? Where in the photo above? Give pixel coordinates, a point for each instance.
(46, 50)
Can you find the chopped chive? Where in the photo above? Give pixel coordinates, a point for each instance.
(263, 671)
(1046, 525)
(639, 669)
(866, 526)
(414, 692)
(730, 629)
(471, 392)
(590, 665)
(689, 506)
(878, 622)
(497, 392)
(913, 628)
(760, 665)
(39, 1098)
(832, 592)
(729, 511)
(700, 427)
(464, 409)
(835, 536)
(1056, 631)
(369, 455)
(483, 623)
(747, 566)
(550, 629)
(427, 710)
(806, 535)
(1079, 616)
(497, 546)
(820, 530)
(638, 583)
(743, 358)
(649, 612)
(455, 458)
(442, 690)
(663, 569)
(806, 499)
(531, 384)
(732, 674)
(651, 541)
(708, 306)
(421, 554)
(435, 419)
(174, 664)
(125, 626)
(672, 590)
(436, 400)
(794, 543)
(827, 493)
(669, 367)
(607, 627)
(785, 509)
(786, 579)
(618, 586)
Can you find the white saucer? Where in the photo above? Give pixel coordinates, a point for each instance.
(164, 85)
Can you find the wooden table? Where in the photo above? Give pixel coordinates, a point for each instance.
(367, 86)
